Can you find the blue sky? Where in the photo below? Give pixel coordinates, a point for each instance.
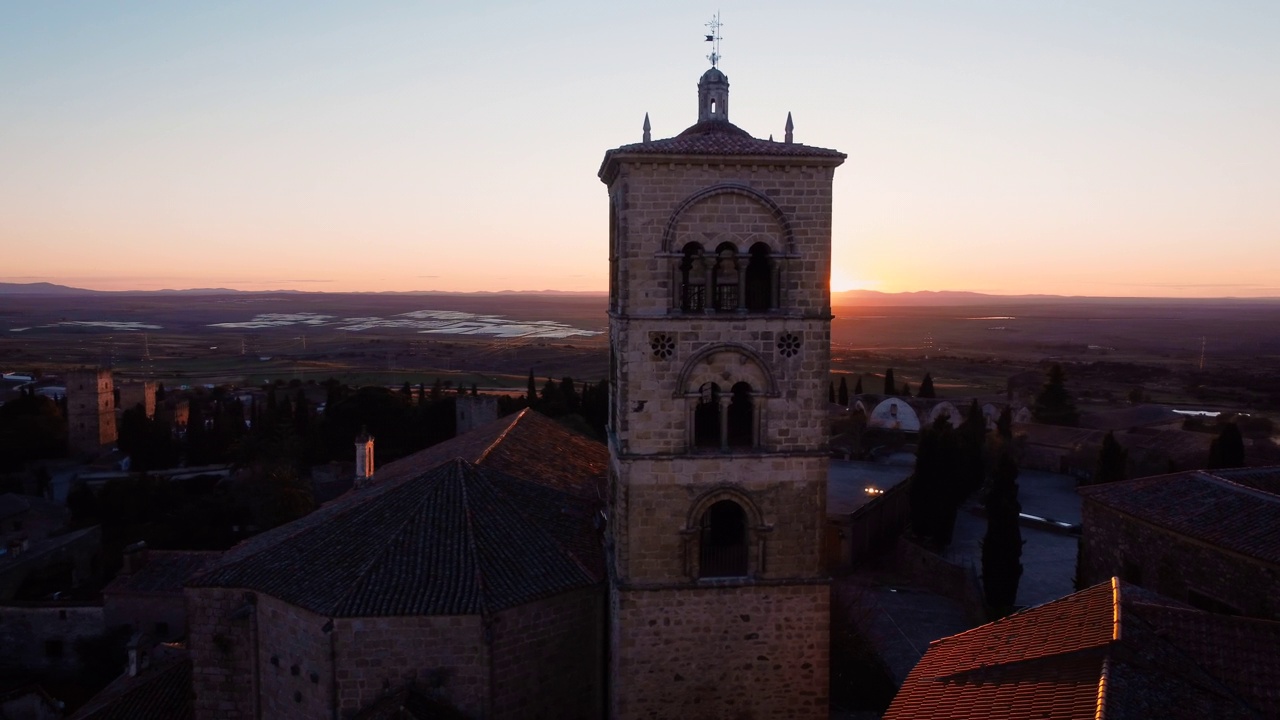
(1094, 148)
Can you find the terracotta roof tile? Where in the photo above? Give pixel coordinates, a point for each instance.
(1203, 505)
(1132, 652)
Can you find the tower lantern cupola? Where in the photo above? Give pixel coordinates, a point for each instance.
(713, 96)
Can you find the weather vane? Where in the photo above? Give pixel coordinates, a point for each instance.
(714, 37)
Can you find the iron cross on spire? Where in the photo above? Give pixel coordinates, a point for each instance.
(714, 37)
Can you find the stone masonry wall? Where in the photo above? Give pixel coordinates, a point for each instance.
(151, 613)
(1172, 565)
(222, 654)
(740, 653)
(655, 542)
(548, 657)
(445, 653)
(296, 675)
(43, 637)
(649, 192)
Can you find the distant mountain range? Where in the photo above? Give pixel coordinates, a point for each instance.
(838, 299)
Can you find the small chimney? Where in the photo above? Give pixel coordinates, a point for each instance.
(364, 458)
(135, 557)
(139, 657)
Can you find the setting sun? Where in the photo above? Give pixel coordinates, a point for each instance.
(843, 282)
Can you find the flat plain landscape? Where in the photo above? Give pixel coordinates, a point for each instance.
(972, 345)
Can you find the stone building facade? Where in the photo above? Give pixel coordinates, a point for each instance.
(471, 573)
(1207, 538)
(91, 414)
(719, 251)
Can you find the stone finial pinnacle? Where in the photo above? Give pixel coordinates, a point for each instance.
(790, 127)
(646, 128)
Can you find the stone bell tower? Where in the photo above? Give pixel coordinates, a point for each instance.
(719, 254)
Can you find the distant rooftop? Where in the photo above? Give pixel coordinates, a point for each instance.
(1231, 509)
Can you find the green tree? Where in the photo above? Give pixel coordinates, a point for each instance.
(857, 386)
(972, 440)
(32, 427)
(890, 387)
(936, 492)
(842, 395)
(1002, 544)
(1054, 405)
(926, 387)
(1113, 461)
(531, 391)
(1227, 450)
(906, 389)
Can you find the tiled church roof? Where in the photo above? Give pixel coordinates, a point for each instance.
(164, 572)
(717, 137)
(1113, 649)
(1206, 505)
(161, 691)
(437, 534)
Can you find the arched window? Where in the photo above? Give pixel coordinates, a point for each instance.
(723, 541)
(693, 279)
(706, 417)
(760, 279)
(741, 420)
(726, 277)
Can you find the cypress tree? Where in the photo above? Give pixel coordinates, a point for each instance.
(890, 387)
(973, 435)
(935, 493)
(926, 387)
(857, 386)
(1002, 544)
(1054, 405)
(842, 395)
(906, 389)
(1227, 450)
(1112, 461)
(531, 391)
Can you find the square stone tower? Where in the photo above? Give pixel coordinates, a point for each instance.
(91, 415)
(719, 254)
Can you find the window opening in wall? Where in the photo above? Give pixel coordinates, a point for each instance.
(726, 277)
(706, 417)
(693, 279)
(713, 107)
(759, 279)
(723, 536)
(741, 417)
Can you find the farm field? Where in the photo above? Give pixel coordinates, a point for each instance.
(494, 340)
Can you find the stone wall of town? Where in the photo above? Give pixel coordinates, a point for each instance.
(1115, 544)
(726, 652)
(548, 657)
(223, 653)
(42, 636)
(444, 654)
(295, 668)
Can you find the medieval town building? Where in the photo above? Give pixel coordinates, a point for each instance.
(719, 307)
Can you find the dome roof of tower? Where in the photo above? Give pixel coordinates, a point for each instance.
(714, 75)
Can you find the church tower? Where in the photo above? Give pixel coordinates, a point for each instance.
(719, 256)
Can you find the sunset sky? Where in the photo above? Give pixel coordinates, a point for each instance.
(1092, 147)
